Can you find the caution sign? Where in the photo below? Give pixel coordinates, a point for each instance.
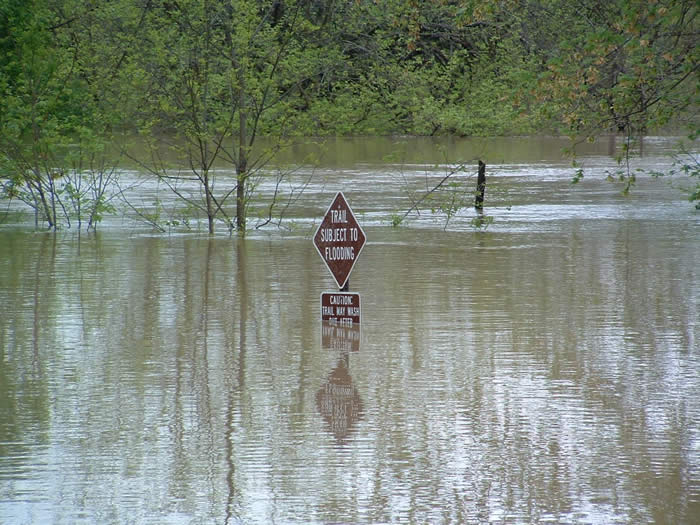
(340, 308)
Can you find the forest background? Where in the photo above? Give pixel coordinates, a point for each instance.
(80, 80)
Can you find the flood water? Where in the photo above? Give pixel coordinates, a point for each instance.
(545, 369)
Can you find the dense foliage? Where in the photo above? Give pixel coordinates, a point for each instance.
(219, 73)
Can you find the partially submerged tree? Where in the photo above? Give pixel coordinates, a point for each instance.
(50, 125)
(211, 75)
(626, 66)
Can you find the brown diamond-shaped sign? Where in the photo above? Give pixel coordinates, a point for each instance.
(339, 239)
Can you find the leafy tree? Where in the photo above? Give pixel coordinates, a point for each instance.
(50, 126)
(424, 68)
(625, 65)
(215, 74)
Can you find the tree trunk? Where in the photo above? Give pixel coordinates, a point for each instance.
(210, 207)
(242, 163)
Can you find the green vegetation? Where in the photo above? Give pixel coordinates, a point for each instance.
(217, 74)
(686, 164)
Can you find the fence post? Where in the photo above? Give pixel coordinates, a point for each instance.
(480, 187)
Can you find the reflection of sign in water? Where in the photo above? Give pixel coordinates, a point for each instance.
(338, 401)
(340, 308)
(343, 339)
(339, 239)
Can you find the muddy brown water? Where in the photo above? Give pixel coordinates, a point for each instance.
(545, 369)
